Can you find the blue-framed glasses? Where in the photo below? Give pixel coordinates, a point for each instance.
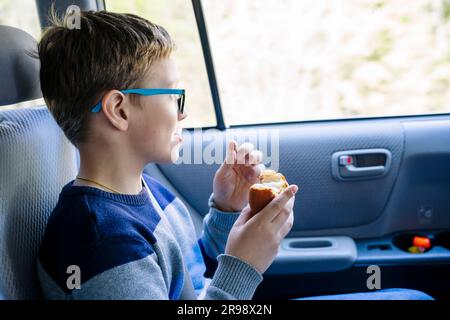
(152, 92)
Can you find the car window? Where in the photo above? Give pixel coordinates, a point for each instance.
(21, 14)
(293, 60)
(177, 17)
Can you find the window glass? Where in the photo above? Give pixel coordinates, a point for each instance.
(177, 17)
(21, 14)
(291, 60)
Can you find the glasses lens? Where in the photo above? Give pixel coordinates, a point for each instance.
(181, 103)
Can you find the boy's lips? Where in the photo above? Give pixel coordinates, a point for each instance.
(178, 137)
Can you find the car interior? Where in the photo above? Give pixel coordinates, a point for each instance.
(370, 188)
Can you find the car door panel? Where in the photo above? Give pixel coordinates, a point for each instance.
(305, 157)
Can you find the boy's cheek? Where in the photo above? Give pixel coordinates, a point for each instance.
(154, 134)
(160, 146)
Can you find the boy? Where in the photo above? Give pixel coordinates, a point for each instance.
(126, 234)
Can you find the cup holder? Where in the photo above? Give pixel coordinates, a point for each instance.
(443, 239)
(405, 242)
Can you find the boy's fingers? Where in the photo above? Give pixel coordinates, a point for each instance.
(243, 151)
(273, 208)
(287, 226)
(254, 178)
(284, 215)
(231, 152)
(255, 157)
(245, 215)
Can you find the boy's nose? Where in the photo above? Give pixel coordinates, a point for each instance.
(182, 116)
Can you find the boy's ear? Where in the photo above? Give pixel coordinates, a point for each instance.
(116, 109)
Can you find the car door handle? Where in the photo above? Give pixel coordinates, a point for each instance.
(351, 171)
(361, 164)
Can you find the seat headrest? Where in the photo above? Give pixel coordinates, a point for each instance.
(19, 70)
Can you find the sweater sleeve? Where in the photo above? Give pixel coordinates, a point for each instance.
(216, 227)
(234, 279)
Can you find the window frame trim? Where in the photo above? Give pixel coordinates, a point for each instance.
(209, 63)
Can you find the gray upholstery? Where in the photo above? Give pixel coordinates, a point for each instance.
(20, 72)
(36, 160)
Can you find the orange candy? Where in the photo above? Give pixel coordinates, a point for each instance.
(423, 242)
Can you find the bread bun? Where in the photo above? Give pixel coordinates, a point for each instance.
(271, 183)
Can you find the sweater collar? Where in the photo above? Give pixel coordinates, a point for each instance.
(141, 198)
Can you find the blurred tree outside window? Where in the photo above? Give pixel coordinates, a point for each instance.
(294, 60)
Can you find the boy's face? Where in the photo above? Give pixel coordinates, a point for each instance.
(155, 129)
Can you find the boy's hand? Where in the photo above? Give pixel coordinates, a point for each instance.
(235, 176)
(255, 238)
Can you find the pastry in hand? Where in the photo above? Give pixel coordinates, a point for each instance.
(271, 183)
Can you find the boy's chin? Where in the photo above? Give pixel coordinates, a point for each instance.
(174, 155)
(169, 156)
(174, 158)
